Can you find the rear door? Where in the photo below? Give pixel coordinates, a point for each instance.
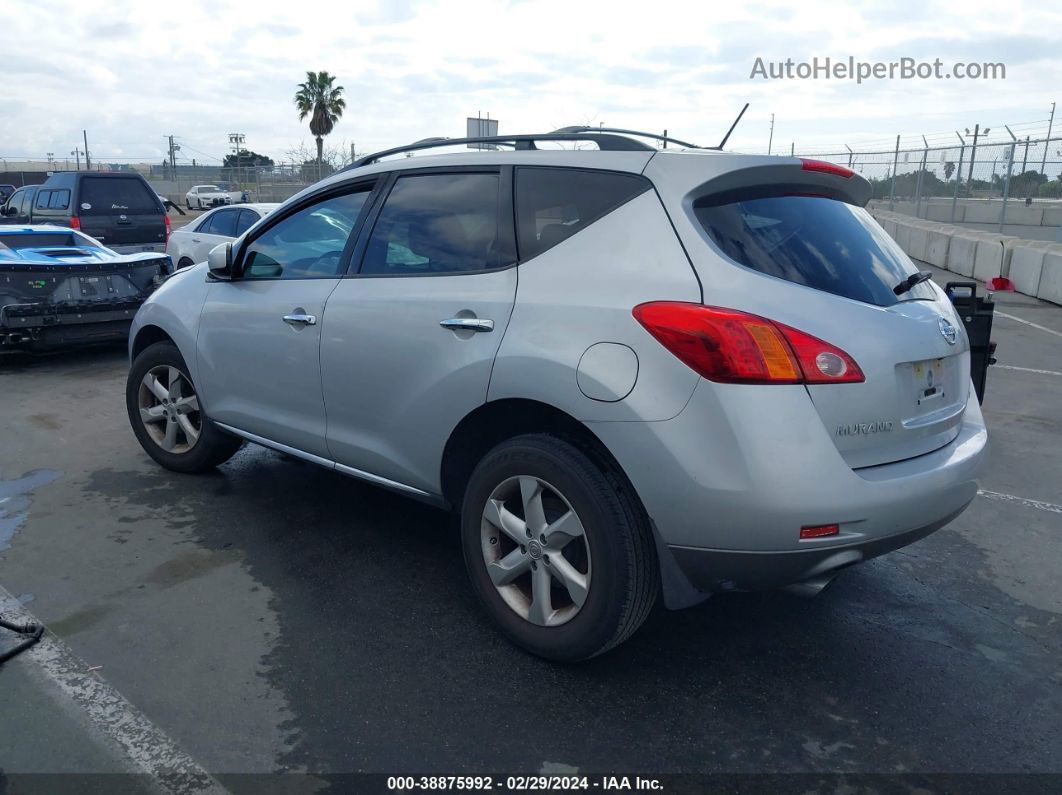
(216, 228)
(827, 268)
(410, 339)
(121, 212)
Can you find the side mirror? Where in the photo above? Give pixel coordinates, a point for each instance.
(219, 261)
(10, 210)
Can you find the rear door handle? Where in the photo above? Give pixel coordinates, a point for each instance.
(467, 324)
(300, 320)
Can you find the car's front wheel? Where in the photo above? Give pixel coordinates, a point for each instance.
(559, 551)
(166, 415)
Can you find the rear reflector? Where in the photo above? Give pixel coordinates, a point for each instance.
(166, 218)
(729, 346)
(826, 168)
(819, 531)
(75, 222)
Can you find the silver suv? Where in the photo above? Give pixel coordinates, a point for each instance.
(636, 373)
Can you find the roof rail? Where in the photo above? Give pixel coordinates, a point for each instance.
(639, 133)
(605, 141)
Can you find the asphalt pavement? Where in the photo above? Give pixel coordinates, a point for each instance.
(277, 617)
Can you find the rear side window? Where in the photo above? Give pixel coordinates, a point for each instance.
(101, 196)
(818, 242)
(53, 199)
(223, 222)
(440, 223)
(246, 221)
(552, 204)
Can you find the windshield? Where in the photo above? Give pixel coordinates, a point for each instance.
(815, 241)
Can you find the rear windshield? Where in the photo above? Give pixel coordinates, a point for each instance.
(117, 197)
(812, 240)
(41, 240)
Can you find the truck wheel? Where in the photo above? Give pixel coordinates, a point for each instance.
(559, 552)
(166, 416)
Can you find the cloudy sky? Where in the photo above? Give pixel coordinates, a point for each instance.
(132, 72)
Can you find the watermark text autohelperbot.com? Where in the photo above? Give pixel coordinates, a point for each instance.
(851, 69)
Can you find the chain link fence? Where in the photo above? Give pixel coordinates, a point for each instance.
(969, 182)
(260, 183)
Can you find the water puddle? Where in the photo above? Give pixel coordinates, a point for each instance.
(15, 501)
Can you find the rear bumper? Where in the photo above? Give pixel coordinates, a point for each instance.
(730, 481)
(716, 570)
(137, 248)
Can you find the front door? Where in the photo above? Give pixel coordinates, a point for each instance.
(260, 334)
(409, 340)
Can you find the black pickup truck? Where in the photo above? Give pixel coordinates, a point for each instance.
(119, 209)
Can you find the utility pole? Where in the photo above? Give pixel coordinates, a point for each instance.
(1047, 143)
(1025, 157)
(88, 162)
(770, 139)
(237, 141)
(77, 154)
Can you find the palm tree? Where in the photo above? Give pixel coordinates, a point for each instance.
(323, 103)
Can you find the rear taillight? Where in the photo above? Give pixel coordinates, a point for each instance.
(75, 222)
(166, 218)
(735, 347)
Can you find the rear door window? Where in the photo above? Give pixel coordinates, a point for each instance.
(223, 222)
(811, 240)
(53, 199)
(552, 204)
(102, 196)
(441, 223)
(246, 221)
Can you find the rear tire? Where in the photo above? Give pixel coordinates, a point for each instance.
(184, 262)
(166, 417)
(601, 578)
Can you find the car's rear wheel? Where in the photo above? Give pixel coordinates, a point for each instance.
(558, 550)
(166, 415)
(184, 262)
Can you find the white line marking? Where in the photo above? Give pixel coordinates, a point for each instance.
(1043, 506)
(148, 750)
(1030, 323)
(1025, 369)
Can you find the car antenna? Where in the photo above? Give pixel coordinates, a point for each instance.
(732, 126)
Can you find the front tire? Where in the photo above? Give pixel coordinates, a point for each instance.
(559, 551)
(166, 417)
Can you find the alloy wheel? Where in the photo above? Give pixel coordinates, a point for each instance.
(535, 550)
(169, 409)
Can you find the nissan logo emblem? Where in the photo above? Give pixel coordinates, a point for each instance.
(948, 331)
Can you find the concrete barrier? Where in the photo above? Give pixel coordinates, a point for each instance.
(982, 213)
(1050, 287)
(962, 250)
(1052, 216)
(1026, 261)
(942, 213)
(1018, 213)
(989, 261)
(916, 246)
(937, 243)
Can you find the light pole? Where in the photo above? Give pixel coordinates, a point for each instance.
(973, 155)
(236, 140)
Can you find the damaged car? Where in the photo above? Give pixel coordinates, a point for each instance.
(60, 287)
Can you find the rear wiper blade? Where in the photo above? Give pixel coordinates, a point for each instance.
(911, 281)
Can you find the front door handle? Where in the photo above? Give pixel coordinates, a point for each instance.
(298, 319)
(467, 324)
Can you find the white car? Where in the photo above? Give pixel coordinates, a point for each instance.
(203, 197)
(191, 244)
